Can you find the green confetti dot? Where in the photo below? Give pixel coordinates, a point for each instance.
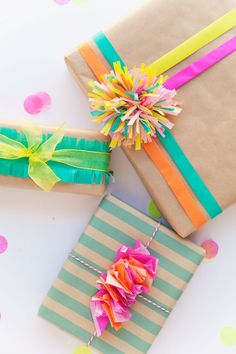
(153, 210)
(80, 2)
(228, 336)
(82, 350)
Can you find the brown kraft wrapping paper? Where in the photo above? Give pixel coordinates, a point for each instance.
(206, 128)
(27, 183)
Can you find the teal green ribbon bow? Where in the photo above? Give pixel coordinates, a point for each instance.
(36, 152)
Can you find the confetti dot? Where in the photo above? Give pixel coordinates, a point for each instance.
(228, 336)
(80, 2)
(3, 244)
(37, 103)
(82, 350)
(211, 249)
(62, 2)
(153, 211)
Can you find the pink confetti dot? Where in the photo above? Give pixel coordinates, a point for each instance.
(37, 103)
(3, 244)
(211, 248)
(61, 2)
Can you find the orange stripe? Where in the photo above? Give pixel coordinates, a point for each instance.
(176, 184)
(93, 61)
(154, 152)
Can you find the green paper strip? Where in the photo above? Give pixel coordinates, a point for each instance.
(122, 237)
(192, 177)
(68, 174)
(76, 330)
(84, 311)
(190, 174)
(107, 49)
(147, 229)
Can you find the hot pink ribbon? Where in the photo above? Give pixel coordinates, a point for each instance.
(201, 65)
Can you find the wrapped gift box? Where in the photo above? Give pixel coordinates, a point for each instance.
(115, 223)
(14, 172)
(206, 128)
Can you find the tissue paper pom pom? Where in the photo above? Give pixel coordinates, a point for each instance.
(132, 105)
(132, 273)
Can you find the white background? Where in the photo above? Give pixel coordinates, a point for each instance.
(42, 228)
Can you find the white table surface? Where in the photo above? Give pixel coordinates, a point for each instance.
(42, 228)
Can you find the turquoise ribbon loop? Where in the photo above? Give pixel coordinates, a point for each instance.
(191, 176)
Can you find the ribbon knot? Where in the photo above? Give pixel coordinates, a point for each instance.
(39, 151)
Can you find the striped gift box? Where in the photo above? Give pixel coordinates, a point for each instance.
(114, 223)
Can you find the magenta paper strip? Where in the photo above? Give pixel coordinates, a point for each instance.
(200, 65)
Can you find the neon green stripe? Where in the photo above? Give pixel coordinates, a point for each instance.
(77, 331)
(122, 237)
(196, 42)
(147, 229)
(107, 253)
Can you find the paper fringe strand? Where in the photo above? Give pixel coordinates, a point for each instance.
(132, 273)
(132, 105)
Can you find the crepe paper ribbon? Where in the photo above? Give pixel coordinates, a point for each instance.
(201, 65)
(176, 153)
(175, 183)
(196, 42)
(31, 154)
(107, 49)
(131, 274)
(95, 64)
(181, 52)
(160, 160)
(170, 144)
(198, 186)
(132, 105)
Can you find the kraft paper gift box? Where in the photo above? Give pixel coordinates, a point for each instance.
(115, 223)
(206, 128)
(89, 180)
